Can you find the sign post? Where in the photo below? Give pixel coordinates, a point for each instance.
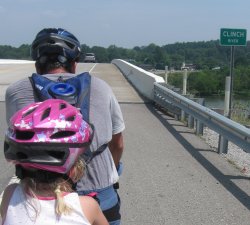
(230, 37)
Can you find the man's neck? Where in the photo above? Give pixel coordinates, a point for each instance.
(58, 70)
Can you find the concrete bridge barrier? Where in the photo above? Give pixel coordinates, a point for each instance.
(141, 79)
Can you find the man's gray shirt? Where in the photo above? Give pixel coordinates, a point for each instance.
(104, 113)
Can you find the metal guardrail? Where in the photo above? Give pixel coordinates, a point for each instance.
(226, 128)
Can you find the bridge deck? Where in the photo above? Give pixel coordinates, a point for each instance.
(170, 175)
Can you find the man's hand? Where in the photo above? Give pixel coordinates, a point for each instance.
(116, 148)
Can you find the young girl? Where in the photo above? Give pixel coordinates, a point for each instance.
(44, 141)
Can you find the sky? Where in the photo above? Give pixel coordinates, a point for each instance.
(123, 23)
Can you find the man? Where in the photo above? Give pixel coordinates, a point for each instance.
(56, 53)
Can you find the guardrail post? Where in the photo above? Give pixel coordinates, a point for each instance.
(199, 127)
(190, 121)
(223, 142)
(222, 145)
(183, 115)
(184, 89)
(199, 124)
(166, 74)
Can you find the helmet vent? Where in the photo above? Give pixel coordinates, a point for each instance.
(51, 41)
(69, 44)
(71, 118)
(62, 134)
(28, 112)
(21, 155)
(46, 114)
(24, 135)
(56, 154)
(62, 106)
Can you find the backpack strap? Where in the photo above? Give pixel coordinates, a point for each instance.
(41, 86)
(82, 83)
(83, 103)
(88, 155)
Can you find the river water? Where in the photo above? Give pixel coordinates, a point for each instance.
(218, 102)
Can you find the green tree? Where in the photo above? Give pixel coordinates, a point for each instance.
(101, 54)
(205, 83)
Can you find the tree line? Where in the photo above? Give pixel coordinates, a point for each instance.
(212, 82)
(204, 55)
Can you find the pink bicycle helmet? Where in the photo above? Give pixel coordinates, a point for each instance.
(47, 135)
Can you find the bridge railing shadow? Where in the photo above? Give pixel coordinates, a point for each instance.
(225, 180)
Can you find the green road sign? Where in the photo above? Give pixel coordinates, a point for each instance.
(233, 37)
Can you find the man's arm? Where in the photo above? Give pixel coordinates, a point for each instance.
(116, 148)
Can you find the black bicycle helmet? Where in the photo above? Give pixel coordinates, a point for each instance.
(59, 42)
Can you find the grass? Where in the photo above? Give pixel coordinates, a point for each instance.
(241, 113)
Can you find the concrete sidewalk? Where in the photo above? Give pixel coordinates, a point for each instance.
(172, 177)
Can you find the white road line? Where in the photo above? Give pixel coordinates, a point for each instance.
(92, 67)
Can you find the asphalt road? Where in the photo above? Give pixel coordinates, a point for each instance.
(6, 169)
(170, 175)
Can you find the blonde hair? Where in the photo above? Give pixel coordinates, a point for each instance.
(75, 174)
(32, 188)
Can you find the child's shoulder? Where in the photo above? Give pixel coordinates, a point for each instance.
(90, 207)
(88, 200)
